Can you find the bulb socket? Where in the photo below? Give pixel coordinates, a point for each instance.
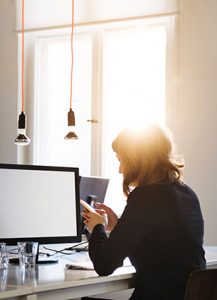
(71, 118)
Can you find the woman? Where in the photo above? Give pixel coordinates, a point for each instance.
(161, 228)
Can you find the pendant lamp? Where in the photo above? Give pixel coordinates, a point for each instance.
(22, 139)
(71, 135)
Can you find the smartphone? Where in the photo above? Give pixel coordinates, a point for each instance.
(87, 206)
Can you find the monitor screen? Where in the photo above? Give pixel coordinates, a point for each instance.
(93, 189)
(39, 203)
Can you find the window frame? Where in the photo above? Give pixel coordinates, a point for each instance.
(26, 154)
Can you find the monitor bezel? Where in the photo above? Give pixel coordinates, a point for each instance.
(47, 239)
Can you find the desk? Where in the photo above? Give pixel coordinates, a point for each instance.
(55, 282)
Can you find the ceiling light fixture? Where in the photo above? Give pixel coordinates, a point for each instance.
(71, 135)
(22, 139)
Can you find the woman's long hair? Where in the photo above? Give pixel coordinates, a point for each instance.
(148, 157)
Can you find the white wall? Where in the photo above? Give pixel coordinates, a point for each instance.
(36, 15)
(195, 124)
(193, 120)
(8, 82)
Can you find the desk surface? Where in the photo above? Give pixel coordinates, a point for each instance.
(56, 282)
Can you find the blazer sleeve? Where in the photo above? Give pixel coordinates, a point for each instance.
(108, 253)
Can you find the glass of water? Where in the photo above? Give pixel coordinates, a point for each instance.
(3, 256)
(27, 252)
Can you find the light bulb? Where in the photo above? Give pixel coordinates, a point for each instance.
(71, 135)
(22, 139)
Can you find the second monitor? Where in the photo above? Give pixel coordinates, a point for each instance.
(93, 189)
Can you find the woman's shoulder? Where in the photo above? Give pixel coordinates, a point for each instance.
(145, 193)
(188, 194)
(152, 189)
(144, 202)
(159, 199)
(159, 191)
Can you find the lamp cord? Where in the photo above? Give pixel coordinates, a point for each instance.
(23, 55)
(63, 251)
(72, 54)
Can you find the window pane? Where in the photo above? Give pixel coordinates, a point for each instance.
(134, 86)
(53, 102)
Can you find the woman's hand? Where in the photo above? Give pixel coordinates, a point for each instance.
(94, 218)
(112, 218)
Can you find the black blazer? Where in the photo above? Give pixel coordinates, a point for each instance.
(161, 231)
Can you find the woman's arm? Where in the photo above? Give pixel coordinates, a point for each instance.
(108, 253)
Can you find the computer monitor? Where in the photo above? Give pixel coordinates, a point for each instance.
(92, 189)
(39, 203)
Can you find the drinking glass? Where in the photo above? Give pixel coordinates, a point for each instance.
(27, 252)
(3, 256)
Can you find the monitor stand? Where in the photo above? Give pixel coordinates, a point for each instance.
(45, 260)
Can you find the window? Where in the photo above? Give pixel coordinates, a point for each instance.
(134, 72)
(133, 81)
(122, 76)
(52, 102)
